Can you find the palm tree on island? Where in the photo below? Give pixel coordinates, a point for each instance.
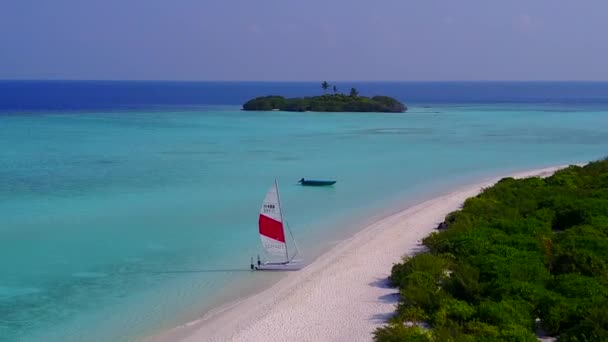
(353, 92)
(325, 85)
(335, 89)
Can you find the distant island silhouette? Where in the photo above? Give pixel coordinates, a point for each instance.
(335, 102)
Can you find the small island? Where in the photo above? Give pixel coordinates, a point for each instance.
(335, 102)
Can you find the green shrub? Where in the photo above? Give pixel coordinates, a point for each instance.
(452, 310)
(436, 266)
(464, 284)
(422, 290)
(401, 333)
(411, 314)
(521, 250)
(506, 313)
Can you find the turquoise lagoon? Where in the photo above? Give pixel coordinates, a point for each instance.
(116, 225)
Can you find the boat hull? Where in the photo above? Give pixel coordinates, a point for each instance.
(317, 182)
(290, 266)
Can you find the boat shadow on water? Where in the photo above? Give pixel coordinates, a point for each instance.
(202, 270)
(211, 270)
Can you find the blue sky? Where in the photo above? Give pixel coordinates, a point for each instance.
(304, 40)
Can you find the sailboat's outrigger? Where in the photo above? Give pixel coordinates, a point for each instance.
(292, 265)
(272, 233)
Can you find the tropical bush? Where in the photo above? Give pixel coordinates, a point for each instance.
(522, 253)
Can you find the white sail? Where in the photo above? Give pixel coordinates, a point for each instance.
(271, 227)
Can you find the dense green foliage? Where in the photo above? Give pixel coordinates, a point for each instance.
(327, 103)
(522, 253)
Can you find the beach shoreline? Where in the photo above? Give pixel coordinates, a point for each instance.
(341, 295)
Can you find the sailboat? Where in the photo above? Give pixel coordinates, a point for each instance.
(272, 233)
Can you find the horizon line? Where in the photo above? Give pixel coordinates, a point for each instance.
(294, 81)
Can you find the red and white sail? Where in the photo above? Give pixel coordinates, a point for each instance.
(271, 225)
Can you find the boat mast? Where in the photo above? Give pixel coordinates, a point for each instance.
(276, 185)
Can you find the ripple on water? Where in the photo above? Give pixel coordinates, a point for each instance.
(285, 158)
(156, 246)
(395, 130)
(89, 275)
(133, 259)
(7, 292)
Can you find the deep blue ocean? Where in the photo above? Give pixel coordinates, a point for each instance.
(23, 96)
(127, 208)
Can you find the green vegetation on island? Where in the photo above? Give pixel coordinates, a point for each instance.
(335, 102)
(523, 256)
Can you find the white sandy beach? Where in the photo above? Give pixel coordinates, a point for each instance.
(341, 296)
